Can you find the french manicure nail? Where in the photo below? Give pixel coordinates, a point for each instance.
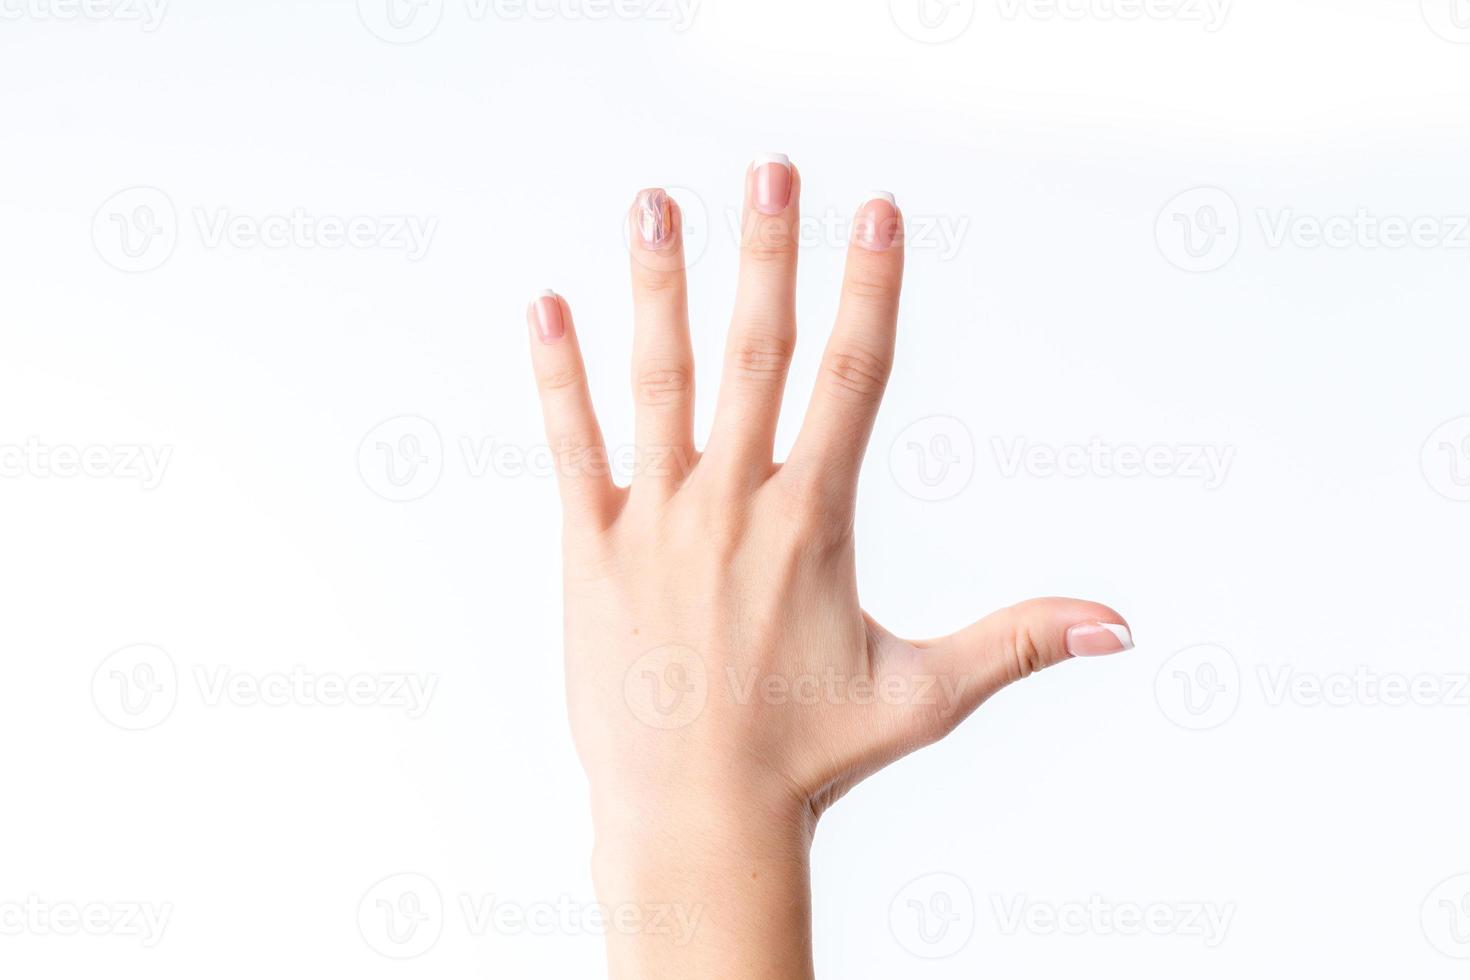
(1098, 639)
(772, 183)
(549, 324)
(876, 226)
(655, 217)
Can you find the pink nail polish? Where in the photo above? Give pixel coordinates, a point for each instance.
(876, 225)
(549, 324)
(772, 183)
(655, 217)
(1098, 639)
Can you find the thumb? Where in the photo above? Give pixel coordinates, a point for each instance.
(1015, 643)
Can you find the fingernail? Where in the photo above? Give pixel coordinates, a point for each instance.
(655, 217)
(1098, 639)
(876, 225)
(772, 183)
(549, 324)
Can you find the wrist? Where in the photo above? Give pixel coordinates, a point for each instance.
(729, 884)
(705, 829)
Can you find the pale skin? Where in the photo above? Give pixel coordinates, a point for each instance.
(725, 685)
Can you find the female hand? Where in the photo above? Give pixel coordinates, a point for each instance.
(725, 685)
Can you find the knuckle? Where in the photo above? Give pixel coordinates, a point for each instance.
(768, 241)
(1024, 656)
(661, 281)
(558, 379)
(717, 523)
(827, 533)
(768, 252)
(857, 372)
(664, 385)
(761, 356)
(871, 289)
(664, 461)
(812, 512)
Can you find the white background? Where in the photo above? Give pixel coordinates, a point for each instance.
(1050, 307)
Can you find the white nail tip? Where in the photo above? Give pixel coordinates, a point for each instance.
(1121, 632)
(879, 196)
(766, 158)
(548, 294)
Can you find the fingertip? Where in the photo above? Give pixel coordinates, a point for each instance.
(1091, 629)
(654, 215)
(879, 222)
(771, 183)
(1099, 639)
(549, 317)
